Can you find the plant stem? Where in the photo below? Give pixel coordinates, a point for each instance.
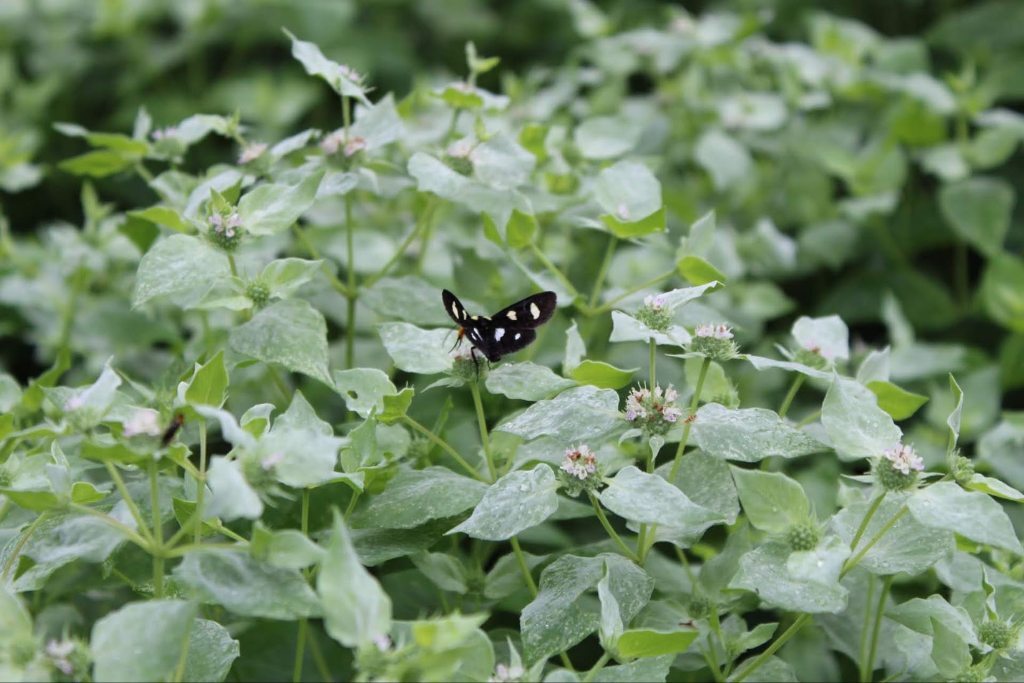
(300, 639)
(596, 669)
(809, 419)
(474, 388)
(611, 531)
(542, 257)
(689, 419)
(523, 567)
(318, 657)
(445, 447)
(609, 305)
(350, 324)
(426, 216)
(158, 532)
(129, 501)
(855, 560)
(232, 265)
(129, 532)
(865, 628)
(304, 240)
(867, 520)
(5, 509)
(798, 382)
(651, 366)
(27, 534)
(201, 482)
(869, 664)
(773, 648)
(716, 628)
(609, 251)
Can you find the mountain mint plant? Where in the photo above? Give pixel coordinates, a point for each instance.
(238, 443)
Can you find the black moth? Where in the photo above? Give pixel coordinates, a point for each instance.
(508, 330)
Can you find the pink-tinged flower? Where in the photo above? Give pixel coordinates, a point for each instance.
(655, 302)
(143, 421)
(333, 141)
(163, 133)
(654, 409)
(354, 145)
(269, 462)
(719, 331)
(351, 74)
(252, 152)
(904, 459)
(382, 641)
(579, 462)
(507, 673)
(59, 652)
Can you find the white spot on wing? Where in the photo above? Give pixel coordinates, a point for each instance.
(518, 335)
(455, 311)
(534, 311)
(511, 315)
(499, 333)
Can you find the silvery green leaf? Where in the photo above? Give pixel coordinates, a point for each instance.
(920, 360)
(994, 487)
(211, 652)
(502, 163)
(762, 363)
(726, 160)
(10, 392)
(1003, 449)
(821, 564)
(444, 571)
(763, 571)
(232, 496)
(874, 367)
(749, 434)
(707, 481)
(408, 298)
(179, 266)
(356, 609)
(772, 501)
(576, 415)
(760, 111)
(908, 546)
(575, 349)
(285, 275)
(289, 332)
(91, 403)
(432, 175)
(649, 499)
(526, 381)
(563, 614)
(417, 350)
(918, 613)
(610, 626)
(379, 123)
(363, 389)
(606, 137)
(300, 449)
(675, 298)
(271, 208)
(953, 421)
(153, 631)
(627, 328)
(316, 64)
(414, 497)
(245, 585)
(855, 424)
(514, 503)
(291, 549)
(829, 336)
(229, 429)
(944, 505)
(950, 652)
(219, 178)
(628, 191)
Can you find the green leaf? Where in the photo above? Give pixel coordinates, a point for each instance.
(764, 572)
(525, 381)
(749, 434)
(363, 389)
(98, 163)
(316, 64)
(908, 546)
(417, 350)
(630, 196)
(289, 332)
(727, 161)
(563, 614)
(233, 497)
(356, 609)
(761, 363)
(582, 414)
(407, 298)
(141, 641)
(209, 383)
(953, 421)
(91, 404)
(284, 276)
(444, 571)
(1002, 291)
(772, 501)
(414, 497)
(649, 499)
(165, 216)
(973, 515)
(920, 614)
(395, 407)
(300, 450)
(273, 207)
(978, 209)
(607, 137)
(992, 487)
(829, 336)
(627, 328)
(245, 585)
(853, 421)
(898, 402)
(697, 271)
(520, 229)
(646, 642)
(950, 653)
(179, 267)
(516, 502)
(610, 626)
(211, 652)
(601, 374)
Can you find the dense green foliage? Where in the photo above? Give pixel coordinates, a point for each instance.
(768, 435)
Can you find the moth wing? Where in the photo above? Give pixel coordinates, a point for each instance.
(533, 311)
(454, 308)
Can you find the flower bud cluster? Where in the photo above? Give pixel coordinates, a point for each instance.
(225, 230)
(655, 313)
(897, 469)
(654, 411)
(714, 341)
(579, 471)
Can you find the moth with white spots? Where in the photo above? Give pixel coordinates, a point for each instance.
(505, 332)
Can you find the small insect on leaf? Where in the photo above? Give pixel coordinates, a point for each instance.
(169, 433)
(505, 332)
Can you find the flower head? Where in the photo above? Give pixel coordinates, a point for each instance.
(579, 462)
(164, 133)
(252, 152)
(382, 641)
(271, 461)
(506, 673)
(904, 459)
(354, 145)
(715, 341)
(655, 312)
(350, 74)
(143, 421)
(897, 468)
(653, 409)
(333, 141)
(225, 230)
(713, 331)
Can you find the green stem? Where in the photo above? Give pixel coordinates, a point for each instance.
(596, 669)
(855, 560)
(191, 547)
(300, 650)
(318, 657)
(232, 265)
(141, 169)
(445, 447)
(350, 324)
(869, 665)
(611, 531)
(595, 293)
(773, 648)
(424, 217)
(867, 520)
(351, 504)
(798, 382)
(609, 305)
(129, 501)
(9, 564)
(201, 482)
(158, 532)
(542, 257)
(716, 628)
(481, 420)
(5, 509)
(694, 402)
(304, 240)
(865, 628)
(651, 365)
(809, 419)
(523, 567)
(129, 532)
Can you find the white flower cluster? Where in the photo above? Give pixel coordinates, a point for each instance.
(719, 331)
(143, 421)
(643, 404)
(226, 227)
(904, 459)
(579, 462)
(655, 302)
(332, 142)
(507, 673)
